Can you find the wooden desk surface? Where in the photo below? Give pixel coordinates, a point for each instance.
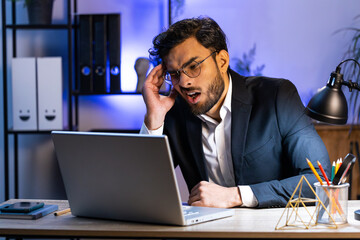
(247, 223)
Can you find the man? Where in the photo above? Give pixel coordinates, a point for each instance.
(239, 141)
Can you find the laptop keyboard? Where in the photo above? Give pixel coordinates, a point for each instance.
(187, 211)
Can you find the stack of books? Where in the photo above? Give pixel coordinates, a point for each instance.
(31, 214)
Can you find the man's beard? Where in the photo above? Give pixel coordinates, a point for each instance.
(216, 88)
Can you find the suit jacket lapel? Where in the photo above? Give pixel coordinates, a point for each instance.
(240, 115)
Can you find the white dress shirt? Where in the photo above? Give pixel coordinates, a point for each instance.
(216, 141)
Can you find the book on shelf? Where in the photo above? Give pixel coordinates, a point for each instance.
(38, 213)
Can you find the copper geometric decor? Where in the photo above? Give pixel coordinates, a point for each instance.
(298, 215)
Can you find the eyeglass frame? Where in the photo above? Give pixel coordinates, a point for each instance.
(181, 70)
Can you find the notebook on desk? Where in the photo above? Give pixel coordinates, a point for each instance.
(126, 177)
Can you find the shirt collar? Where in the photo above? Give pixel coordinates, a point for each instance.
(227, 101)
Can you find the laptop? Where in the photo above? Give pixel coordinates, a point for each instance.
(123, 176)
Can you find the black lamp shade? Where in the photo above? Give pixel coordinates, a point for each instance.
(328, 105)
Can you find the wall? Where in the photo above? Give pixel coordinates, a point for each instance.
(294, 39)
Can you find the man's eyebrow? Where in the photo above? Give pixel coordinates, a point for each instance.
(185, 64)
(190, 61)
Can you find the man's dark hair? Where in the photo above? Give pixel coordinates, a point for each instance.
(204, 29)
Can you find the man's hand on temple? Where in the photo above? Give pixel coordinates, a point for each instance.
(206, 194)
(156, 105)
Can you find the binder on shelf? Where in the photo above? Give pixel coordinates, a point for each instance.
(85, 54)
(113, 32)
(49, 88)
(99, 80)
(24, 106)
(99, 53)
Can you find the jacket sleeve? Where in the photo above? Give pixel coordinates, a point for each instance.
(299, 141)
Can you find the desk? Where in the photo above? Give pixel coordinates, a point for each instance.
(247, 223)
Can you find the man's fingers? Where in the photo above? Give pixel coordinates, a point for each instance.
(197, 204)
(202, 183)
(197, 194)
(155, 70)
(195, 187)
(193, 199)
(213, 195)
(155, 76)
(194, 192)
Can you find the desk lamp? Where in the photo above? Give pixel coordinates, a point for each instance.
(329, 104)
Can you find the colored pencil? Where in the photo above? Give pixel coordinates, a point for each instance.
(62, 212)
(323, 173)
(333, 171)
(340, 162)
(314, 171)
(337, 165)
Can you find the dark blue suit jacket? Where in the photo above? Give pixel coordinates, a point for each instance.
(271, 138)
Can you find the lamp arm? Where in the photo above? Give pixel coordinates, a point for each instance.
(349, 59)
(351, 85)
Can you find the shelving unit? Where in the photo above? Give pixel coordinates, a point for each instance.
(72, 99)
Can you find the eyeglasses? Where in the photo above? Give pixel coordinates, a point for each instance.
(191, 69)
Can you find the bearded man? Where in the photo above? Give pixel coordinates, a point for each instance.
(239, 141)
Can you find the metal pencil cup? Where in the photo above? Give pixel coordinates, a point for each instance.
(335, 200)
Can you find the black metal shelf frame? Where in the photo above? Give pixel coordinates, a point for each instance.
(72, 100)
(37, 27)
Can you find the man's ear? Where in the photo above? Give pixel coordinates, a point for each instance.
(222, 59)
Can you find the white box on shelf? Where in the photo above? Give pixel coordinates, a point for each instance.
(50, 107)
(24, 107)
